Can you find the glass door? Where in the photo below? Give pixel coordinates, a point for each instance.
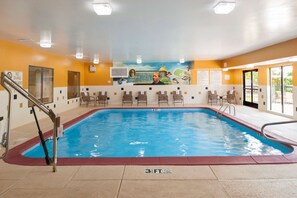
(288, 90)
(281, 90)
(250, 88)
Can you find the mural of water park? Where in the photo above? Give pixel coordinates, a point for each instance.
(142, 74)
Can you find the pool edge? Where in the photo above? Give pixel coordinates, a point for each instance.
(15, 154)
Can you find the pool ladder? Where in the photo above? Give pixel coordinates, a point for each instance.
(228, 106)
(7, 82)
(278, 123)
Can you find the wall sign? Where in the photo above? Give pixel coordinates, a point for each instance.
(215, 77)
(16, 76)
(203, 77)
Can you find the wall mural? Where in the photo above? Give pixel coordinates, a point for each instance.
(142, 74)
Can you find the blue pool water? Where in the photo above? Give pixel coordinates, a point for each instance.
(159, 132)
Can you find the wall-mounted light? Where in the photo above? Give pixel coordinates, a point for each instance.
(138, 60)
(102, 8)
(79, 53)
(96, 59)
(182, 60)
(224, 7)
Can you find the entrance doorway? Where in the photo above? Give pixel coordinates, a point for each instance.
(250, 88)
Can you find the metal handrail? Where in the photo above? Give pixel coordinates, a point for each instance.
(6, 80)
(226, 105)
(278, 123)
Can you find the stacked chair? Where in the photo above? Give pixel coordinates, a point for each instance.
(162, 98)
(86, 98)
(127, 98)
(142, 98)
(178, 98)
(212, 97)
(102, 99)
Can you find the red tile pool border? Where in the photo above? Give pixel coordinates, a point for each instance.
(15, 154)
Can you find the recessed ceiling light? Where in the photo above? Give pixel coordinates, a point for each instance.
(102, 8)
(224, 7)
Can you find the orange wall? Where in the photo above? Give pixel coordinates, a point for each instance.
(281, 50)
(263, 75)
(234, 76)
(206, 64)
(100, 77)
(263, 72)
(18, 57)
(203, 64)
(295, 74)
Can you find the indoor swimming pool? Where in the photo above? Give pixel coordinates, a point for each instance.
(159, 133)
(155, 136)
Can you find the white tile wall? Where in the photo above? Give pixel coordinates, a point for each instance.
(193, 94)
(21, 115)
(263, 99)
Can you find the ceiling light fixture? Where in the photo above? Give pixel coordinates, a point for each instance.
(45, 44)
(182, 60)
(79, 54)
(138, 60)
(224, 7)
(96, 59)
(45, 39)
(102, 8)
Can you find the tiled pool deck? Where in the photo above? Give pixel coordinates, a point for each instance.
(270, 180)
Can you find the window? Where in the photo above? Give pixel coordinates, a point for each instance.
(41, 83)
(73, 84)
(281, 90)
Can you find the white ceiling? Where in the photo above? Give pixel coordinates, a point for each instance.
(158, 30)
